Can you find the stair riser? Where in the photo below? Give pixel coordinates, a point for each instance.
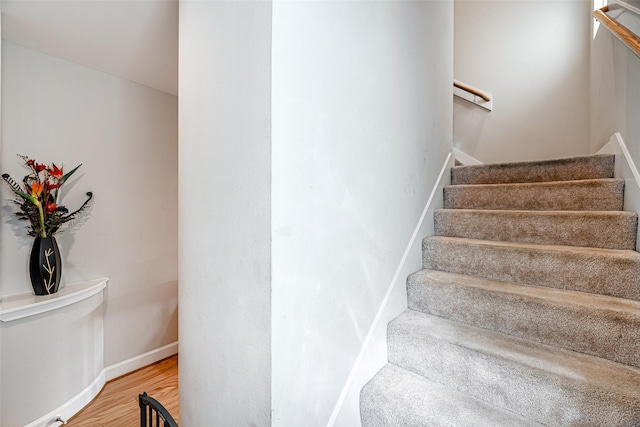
(611, 274)
(534, 393)
(610, 334)
(591, 167)
(599, 195)
(586, 229)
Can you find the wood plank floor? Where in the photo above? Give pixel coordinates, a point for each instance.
(117, 403)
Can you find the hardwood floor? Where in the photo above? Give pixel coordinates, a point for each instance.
(117, 403)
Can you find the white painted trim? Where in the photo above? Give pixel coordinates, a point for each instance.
(628, 6)
(19, 306)
(626, 169)
(464, 158)
(75, 404)
(140, 361)
(379, 314)
(611, 147)
(617, 139)
(616, 145)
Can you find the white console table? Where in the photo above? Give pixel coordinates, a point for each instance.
(52, 353)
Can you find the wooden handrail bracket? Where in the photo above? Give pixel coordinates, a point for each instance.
(473, 95)
(469, 89)
(626, 36)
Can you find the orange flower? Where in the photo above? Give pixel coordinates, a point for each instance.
(38, 197)
(55, 171)
(36, 188)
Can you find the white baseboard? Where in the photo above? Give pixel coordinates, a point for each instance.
(67, 410)
(626, 169)
(400, 271)
(71, 407)
(464, 158)
(140, 361)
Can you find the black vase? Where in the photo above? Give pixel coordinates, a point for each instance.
(45, 266)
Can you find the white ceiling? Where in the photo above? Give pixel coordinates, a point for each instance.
(133, 39)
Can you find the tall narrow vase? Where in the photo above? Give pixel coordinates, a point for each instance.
(45, 266)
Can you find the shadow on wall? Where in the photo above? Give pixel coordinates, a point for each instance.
(527, 126)
(533, 57)
(467, 132)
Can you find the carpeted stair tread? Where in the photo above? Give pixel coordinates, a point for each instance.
(528, 306)
(600, 271)
(608, 327)
(565, 169)
(547, 384)
(591, 195)
(598, 229)
(396, 397)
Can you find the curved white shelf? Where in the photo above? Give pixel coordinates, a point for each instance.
(19, 306)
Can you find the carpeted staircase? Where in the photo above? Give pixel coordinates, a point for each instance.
(527, 310)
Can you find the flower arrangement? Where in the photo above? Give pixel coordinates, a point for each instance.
(38, 197)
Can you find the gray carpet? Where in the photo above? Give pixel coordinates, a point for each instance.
(527, 311)
(591, 194)
(566, 169)
(595, 229)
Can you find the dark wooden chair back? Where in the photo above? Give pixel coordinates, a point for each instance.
(152, 413)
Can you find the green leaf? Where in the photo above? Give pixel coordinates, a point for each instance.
(68, 174)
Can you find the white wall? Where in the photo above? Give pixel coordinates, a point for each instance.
(615, 107)
(125, 136)
(533, 56)
(132, 39)
(362, 103)
(225, 205)
(615, 90)
(320, 147)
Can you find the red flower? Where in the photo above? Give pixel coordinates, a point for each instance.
(38, 167)
(51, 207)
(52, 186)
(55, 171)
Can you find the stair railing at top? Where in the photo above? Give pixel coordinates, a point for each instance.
(471, 90)
(626, 36)
(471, 94)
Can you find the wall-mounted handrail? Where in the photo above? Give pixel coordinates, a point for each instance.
(626, 36)
(469, 89)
